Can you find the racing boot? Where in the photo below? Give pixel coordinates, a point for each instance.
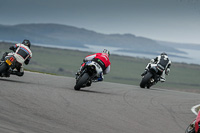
(162, 79)
(100, 78)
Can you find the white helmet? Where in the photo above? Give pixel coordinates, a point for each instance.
(106, 51)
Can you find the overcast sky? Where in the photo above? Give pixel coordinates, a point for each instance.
(166, 20)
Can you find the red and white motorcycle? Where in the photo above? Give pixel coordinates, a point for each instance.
(90, 72)
(194, 127)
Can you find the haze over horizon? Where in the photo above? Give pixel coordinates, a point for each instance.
(165, 20)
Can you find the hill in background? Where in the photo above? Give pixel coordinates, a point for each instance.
(63, 35)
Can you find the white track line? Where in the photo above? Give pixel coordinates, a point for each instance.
(195, 109)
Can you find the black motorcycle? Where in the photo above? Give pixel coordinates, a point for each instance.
(7, 65)
(90, 71)
(152, 75)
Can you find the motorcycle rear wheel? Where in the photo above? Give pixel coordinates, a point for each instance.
(3, 67)
(82, 80)
(145, 80)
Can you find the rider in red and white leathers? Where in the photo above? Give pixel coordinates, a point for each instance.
(102, 59)
(197, 123)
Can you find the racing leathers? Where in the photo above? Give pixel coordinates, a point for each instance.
(197, 123)
(162, 60)
(23, 54)
(102, 59)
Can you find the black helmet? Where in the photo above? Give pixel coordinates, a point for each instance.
(27, 43)
(163, 53)
(106, 51)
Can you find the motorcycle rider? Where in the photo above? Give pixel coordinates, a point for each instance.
(194, 127)
(197, 123)
(22, 53)
(102, 59)
(163, 60)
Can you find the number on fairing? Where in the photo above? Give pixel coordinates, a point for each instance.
(97, 65)
(11, 59)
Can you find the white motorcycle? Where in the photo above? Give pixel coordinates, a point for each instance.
(152, 76)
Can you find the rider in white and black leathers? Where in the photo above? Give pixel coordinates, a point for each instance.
(23, 54)
(164, 61)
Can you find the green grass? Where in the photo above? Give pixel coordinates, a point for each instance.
(125, 70)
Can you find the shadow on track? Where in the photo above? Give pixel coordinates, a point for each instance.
(15, 81)
(153, 89)
(97, 92)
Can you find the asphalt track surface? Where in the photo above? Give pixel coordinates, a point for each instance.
(40, 103)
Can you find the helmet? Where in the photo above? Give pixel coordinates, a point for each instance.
(27, 43)
(163, 53)
(106, 51)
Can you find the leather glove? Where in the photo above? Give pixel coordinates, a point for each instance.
(12, 48)
(26, 62)
(84, 60)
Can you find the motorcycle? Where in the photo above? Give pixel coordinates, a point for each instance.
(191, 128)
(152, 75)
(7, 65)
(194, 127)
(90, 72)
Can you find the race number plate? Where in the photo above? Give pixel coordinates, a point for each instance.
(8, 62)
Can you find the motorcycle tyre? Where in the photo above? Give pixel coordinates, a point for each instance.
(190, 130)
(3, 67)
(145, 80)
(81, 81)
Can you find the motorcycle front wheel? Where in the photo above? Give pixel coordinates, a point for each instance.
(82, 80)
(190, 129)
